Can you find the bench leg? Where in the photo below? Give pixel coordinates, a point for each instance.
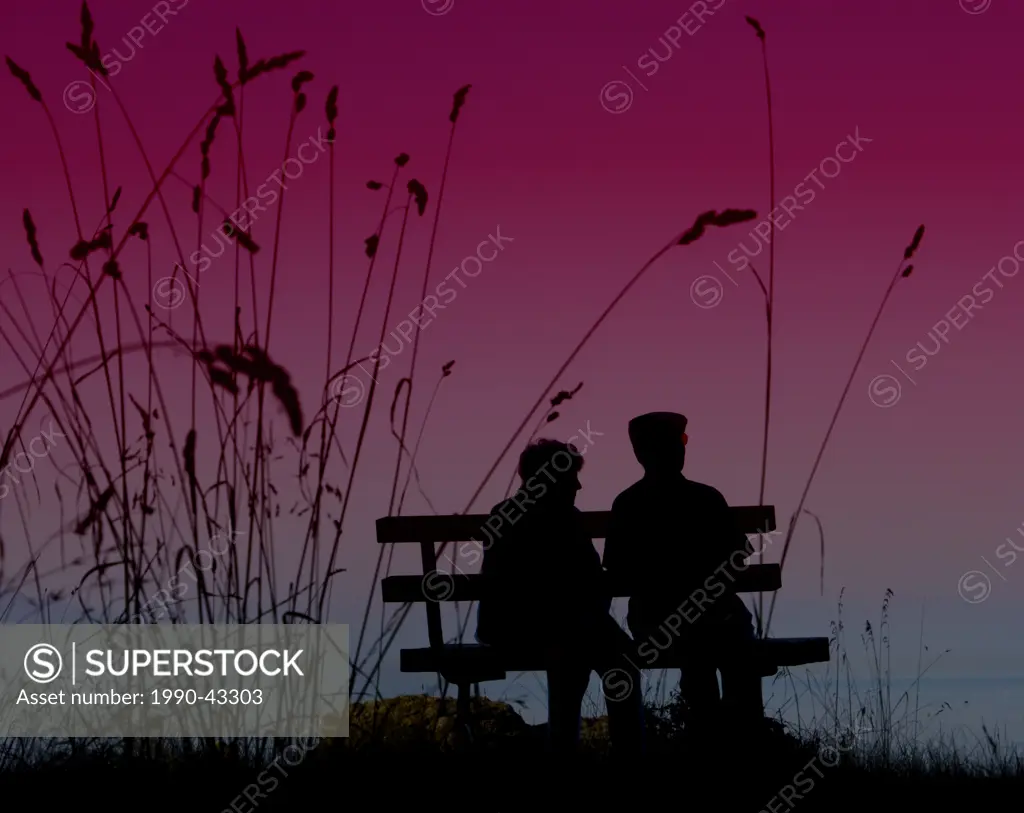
(743, 693)
(464, 710)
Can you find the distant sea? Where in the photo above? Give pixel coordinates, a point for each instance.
(960, 709)
(949, 709)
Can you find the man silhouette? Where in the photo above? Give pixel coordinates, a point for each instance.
(547, 595)
(675, 540)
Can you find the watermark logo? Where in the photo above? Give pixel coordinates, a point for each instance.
(885, 390)
(43, 663)
(617, 96)
(471, 552)
(217, 680)
(438, 586)
(803, 782)
(169, 292)
(267, 780)
(177, 587)
(975, 586)
(437, 8)
(349, 390)
(975, 6)
(616, 685)
(45, 440)
(707, 291)
(79, 95)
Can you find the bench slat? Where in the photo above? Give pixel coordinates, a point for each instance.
(750, 519)
(479, 663)
(439, 586)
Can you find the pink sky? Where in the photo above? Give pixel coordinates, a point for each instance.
(911, 496)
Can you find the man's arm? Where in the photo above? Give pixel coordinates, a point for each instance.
(730, 539)
(589, 575)
(616, 543)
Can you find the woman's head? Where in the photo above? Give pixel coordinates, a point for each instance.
(551, 467)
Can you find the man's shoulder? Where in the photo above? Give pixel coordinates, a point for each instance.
(705, 491)
(628, 495)
(643, 486)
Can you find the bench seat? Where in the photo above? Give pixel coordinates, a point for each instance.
(479, 663)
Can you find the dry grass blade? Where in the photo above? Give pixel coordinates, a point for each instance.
(220, 73)
(23, 76)
(899, 274)
(912, 248)
(30, 235)
(821, 549)
(262, 66)
(188, 455)
(301, 78)
(243, 57)
(331, 109)
(769, 293)
(140, 230)
(419, 193)
(565, 395)
(88, 50)
(256, 365)
(83, 248)
(458, 100)
(757, 27)
(727, 217)
(95, 511)
(88, 26)
(243, 239)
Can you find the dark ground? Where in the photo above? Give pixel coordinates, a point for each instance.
(420, 759)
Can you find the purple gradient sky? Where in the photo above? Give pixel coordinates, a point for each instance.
(910, 496)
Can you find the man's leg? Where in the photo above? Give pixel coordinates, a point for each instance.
(741, 693)
(620, 684)
(567, 685)
(698, 687)
(741, 684)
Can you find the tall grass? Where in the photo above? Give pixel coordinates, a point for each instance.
(180, 482)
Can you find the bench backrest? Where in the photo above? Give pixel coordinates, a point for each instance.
(750, 519)
(433, 587)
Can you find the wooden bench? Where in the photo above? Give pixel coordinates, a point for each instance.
(466, 664)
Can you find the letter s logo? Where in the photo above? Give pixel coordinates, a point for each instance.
(43, 663)
(438, 586)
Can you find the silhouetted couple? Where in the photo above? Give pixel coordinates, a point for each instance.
(549, 591)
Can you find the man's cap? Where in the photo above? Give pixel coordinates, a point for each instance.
(656, 427)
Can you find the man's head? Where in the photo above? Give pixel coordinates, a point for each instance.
(659, 441)
(550, 470)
